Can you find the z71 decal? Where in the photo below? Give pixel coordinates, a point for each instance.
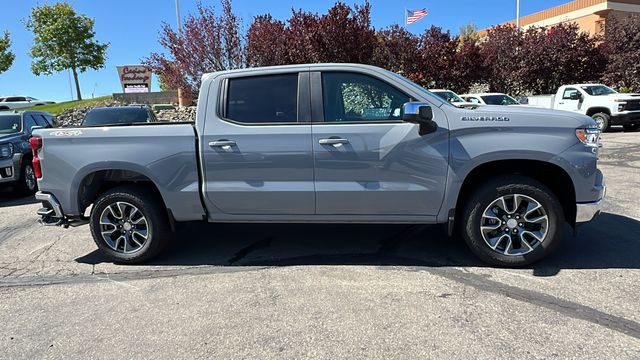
(61, 133)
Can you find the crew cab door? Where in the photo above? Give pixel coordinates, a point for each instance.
(367, 161)
(256, 146)
(569, 100)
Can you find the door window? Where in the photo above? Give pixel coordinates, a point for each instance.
(263, 99)
(352, 97)
(568, 92)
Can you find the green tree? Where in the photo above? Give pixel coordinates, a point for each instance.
(6, 56)
(64, 40)
(468, 32)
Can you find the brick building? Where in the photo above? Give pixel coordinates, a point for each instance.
(590, 15)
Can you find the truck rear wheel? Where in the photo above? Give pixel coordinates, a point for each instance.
(27, 184)
(602, 120)
(512, 221)
(129, 224)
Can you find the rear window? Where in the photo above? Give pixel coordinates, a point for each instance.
(263, 99)
(10, 124)
(116, 116)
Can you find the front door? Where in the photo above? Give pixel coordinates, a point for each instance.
(368, 161)
(566, 103)
(256, 148)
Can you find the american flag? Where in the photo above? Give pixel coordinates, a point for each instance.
(415, 15)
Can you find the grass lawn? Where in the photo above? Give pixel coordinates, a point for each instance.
(58, 108)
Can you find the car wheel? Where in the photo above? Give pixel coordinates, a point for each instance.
(602, 120)
(28, 184)
(129, 224)
(631, 127)
(512, 221)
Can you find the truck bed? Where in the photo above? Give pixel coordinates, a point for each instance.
(164, 153)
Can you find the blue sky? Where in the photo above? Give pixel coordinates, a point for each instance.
(131, 27)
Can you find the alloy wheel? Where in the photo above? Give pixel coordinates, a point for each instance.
(124, 227)
(514, 224)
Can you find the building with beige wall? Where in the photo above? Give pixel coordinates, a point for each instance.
(590, 15)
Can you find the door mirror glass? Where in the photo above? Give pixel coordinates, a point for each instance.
(421, 114)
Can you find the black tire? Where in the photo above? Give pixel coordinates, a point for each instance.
(152, 208)
(631, 127)
(492, 190)
(603, 121)
(27, 184)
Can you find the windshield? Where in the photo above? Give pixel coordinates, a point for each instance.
(499, 100)
(449, 96)
(597, 90)
(10, 124)
(116, 116)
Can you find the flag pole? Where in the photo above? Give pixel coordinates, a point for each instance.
(518, 14)
(405, 18)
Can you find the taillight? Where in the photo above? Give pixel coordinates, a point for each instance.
(36, 144)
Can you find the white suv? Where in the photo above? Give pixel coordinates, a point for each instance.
(17, 102)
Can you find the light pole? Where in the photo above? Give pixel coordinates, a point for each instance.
(517, 14)
(181, 100)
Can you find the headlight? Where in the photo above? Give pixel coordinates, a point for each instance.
(6, 151)
(621, 107)
(589, 136)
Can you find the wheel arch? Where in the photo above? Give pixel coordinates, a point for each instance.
(598, 109)
(97, 182)
(547, 173)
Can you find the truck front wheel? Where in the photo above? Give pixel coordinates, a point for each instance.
(512, 221)
(602, 120)
(129, 224)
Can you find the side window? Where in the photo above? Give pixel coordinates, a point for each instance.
(358, 97)
(40, 121)
(568, 92)
(15, 98)
(48, 119)
(263, 99)
(473, 100)
(29, 123)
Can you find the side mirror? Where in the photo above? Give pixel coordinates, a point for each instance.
(421, 114)
(575, 96)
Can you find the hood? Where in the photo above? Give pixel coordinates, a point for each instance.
(531, 115)
(620, 96)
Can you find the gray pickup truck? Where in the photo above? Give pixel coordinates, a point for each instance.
(337, 143)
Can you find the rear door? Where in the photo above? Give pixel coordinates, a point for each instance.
(256, 150)
(367, 161)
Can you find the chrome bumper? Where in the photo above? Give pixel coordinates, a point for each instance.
(588, 211)
(51, 212)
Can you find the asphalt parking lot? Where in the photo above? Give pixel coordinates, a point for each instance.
(326, 291)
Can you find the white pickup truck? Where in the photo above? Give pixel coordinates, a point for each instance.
(605, 105)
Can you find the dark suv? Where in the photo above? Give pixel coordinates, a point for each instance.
(15, 154)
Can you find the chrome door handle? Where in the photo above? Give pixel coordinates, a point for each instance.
(225, 144)
(333, 141)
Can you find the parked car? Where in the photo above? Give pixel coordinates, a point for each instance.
(605, 105)
(18, 102)
(490, 99)
(119, 115)
(15, 154)
(309, 143)
(451, 97)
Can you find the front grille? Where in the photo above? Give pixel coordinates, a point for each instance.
(633, 105)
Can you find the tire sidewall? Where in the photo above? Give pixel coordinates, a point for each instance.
(492, 191)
